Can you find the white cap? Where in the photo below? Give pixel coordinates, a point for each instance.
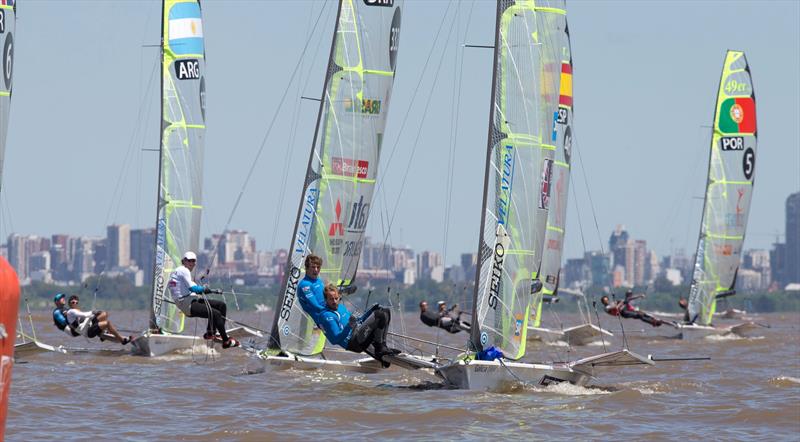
(440, 303)
(190, 255)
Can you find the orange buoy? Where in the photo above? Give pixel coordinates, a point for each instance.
(9, 303)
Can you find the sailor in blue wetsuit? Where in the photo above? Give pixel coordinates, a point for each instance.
(310, 289)
(60, 315)
(356, 335)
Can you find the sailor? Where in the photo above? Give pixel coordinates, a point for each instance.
(356, 335)
(185, 294)
(60, 315)
(626, 310)
(442, 319)
(91, 324)
(684, 304)
(310, 289)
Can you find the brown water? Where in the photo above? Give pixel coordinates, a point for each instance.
(750, 389)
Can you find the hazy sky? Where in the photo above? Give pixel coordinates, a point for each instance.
(85, 104)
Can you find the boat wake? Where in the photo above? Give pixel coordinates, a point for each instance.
(567, 389)
(785, 381)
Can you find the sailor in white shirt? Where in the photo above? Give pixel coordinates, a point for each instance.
(92, 324)
(186, 295)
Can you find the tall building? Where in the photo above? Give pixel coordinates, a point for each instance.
(143, 250)
(118, 246)
(640, 262)
(616, 244)
(599, 268)
(430, 265)
(792, 273)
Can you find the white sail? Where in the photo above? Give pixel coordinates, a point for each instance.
(8, 23)
(182, 144)
(519, 172)
(343, 165)
(731, 173)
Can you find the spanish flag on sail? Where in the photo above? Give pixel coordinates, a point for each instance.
(565, 93)
(185, 29)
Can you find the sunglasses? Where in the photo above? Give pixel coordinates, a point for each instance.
(191, 260)
(73, 302)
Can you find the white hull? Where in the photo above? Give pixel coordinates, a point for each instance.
(34, 347)
(498, 375)
(153, 345)
(744, 330)
(362, 365)
(583, 334)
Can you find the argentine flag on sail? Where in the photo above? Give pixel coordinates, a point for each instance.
(185, 29)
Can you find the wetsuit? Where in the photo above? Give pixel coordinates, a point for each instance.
(60, 321)
(429, 318)
(372, 330)
(183, 289)
(311, 297)
(627, 311)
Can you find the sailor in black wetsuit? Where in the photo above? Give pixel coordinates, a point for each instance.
(442, 319)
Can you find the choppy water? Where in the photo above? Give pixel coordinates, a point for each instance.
(750, 389)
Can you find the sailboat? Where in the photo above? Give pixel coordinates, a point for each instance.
(516, 201)
(341, 175)
(561, 136)
(180, 175)
(729, 188)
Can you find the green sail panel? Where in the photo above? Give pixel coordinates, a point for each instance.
(519, 172)
(731, 173)
(343, 166)
(182, 144)
(557, 218)
(8, 23)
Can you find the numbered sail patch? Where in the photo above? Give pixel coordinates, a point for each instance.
(737, 115)
(185, 29)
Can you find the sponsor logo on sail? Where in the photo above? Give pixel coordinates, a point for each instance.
(349, 167)
(734, 87)
(290, 294)
(737, 219)
(553, 244)
(379, 2)
(732, 143)
(547, 173)
(188, 69)
(724, 249)
(497, 274)
(158, 279)
(306, 219)
(506, 182)
(366, 106)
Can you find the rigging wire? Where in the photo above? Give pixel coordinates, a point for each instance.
(266, 135)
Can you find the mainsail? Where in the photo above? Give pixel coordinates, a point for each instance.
(729, 188)
(557, 218)
(182, 140)
(7, 28)
(343, 166)
(519, 171)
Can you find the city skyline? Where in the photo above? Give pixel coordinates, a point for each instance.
(634, 170)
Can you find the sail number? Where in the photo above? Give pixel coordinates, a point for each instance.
(749, 163)
(394, 38)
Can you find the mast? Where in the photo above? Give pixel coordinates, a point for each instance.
(483, 248)
(158, 281)
(293, 272)
(181, 150)
(729, 187)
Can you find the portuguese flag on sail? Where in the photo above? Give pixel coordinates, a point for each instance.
(737, 115)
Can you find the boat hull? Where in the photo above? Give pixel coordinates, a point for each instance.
(744, 330)
(362, 365)
(30, 348)
(154, 345)
(578, 335)
(500, 376)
